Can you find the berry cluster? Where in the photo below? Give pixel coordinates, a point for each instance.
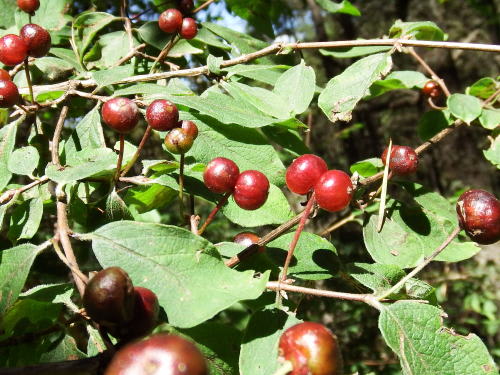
(111, 300)
(249, 188)
(333, 188)
(173, 21)
(33, 40)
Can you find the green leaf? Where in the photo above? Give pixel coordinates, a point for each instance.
(14, 269)
(151, 34)
(107, 77)
(113, 46)
(368, 167)
(24, 161)
(377, 277)
(214, 63)
(344, 91)
(493, 153)
(157, 255)
(261, 341)
(490, 118)
(296, 86)
(53, 68)
(7, 14)
(415, 332)
(207, 37)
(483, 88)
(404, 79)
(314, 258)
(87, 134)
(69, 56)
(116, 209)
(464, 107)
(147, 198)
(51, 15)
(7, 143)
(25, 220)
(350, 52)
(343, 7)
(433, 122)
(263, 73)
(424, 30)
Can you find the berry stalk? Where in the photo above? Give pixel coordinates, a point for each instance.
(120, 157)
(181, 187)
(28, 79)
(132, 161)
(212, 214)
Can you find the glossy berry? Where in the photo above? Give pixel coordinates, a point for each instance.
(109, 297)
(432, 89)
(189, 127)
(160, 354)
(333, 190)
(13, 50)
(28, 6)
(145, 316)
(251, 190)
(9, 95)
(4, 75)
(248, 238)
(304, 172)
(189, 29)
(312, 349)
(37, 39)
(162, 115)
(170, 21)
(220, 175)
(479, 215)
(120, 114)
(403, 161)
(178, 141)
(186, 6)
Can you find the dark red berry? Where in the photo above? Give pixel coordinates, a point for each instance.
(37, 39)
(28, 6)
(304, 172)
(9, 95)
(178, 141)
(248, 238)
(13, 50)
(220, 175)
(189, 127)
(109, 297)
(4, 75)
(162, 115)
(479, 215)
(120, 114)
(333, 190)
(186, 6)
(170, 21)
(251, 190)
(189, 29)
(432, 89)
(312, 349)
(403, 161)
(159, 354)
(145, 316)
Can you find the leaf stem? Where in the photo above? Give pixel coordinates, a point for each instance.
(385, 179)
(28, 80)
(57, 136)
(212, 214)
(132, 161)
(181, 187)
(120, 158)
(422, 265)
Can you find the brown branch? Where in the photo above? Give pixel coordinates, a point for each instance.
(132, 161)
(57, 136)
(9, 194)
(133, 52)
(338, 224)
(204, 5)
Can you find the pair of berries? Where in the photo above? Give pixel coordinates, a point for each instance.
(111, 300)
(312, 349)
(333, 188)
(172, 21)
(249, 188)
(33, 40)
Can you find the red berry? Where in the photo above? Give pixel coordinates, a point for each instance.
(145, 316)
(312, 349)
(37, 39)
(186, 6)
(170, 21)
(178, 141)
(162, 115)
(28, 6)
(403, 161)
(247, 239)
(120, 114)
(189, 127)
(159, 354)
(432, 89)
(4, 75)
(251, 190)
(109, 297)
(304, 172)
(13, 50)
(9, 95)
(479, 215)
(220, 175)
(189, 29)
(333, 190)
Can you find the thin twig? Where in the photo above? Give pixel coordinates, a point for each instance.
(204, 5)
(57, 136)
(212, 214)
(9, 194)
(132, 161)
(120, 157)
(429, 70)
(338, 224)
(28, 80)
(164, 52)
(133, 52)
(421, 266)
(65, 260)
(126, 23)
(385, 180)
